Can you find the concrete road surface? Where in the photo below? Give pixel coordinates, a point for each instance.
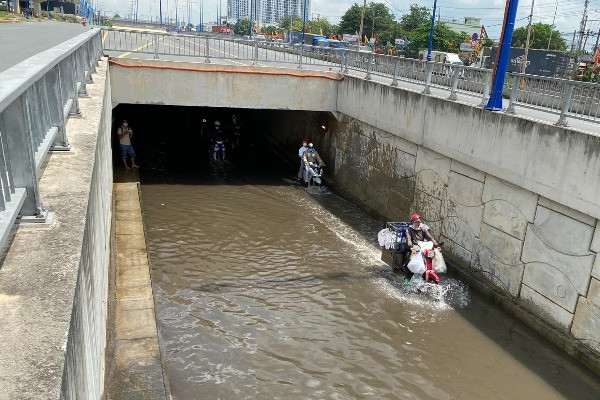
(19, 41)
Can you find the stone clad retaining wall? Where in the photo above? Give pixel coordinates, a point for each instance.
(540, 256)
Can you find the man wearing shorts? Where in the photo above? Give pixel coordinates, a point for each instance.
(125, 133)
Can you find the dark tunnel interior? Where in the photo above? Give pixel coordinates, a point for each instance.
(175, 144)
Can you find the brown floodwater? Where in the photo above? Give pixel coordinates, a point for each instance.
(266, 291)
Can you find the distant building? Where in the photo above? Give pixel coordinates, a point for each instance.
(469, 25)
(266, 12)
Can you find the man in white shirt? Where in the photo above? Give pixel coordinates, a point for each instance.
(125, 133)
(301, 154)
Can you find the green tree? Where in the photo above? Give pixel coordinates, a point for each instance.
(321, 26)
(540, 33)
(270, 30)
(296, 23)
(444, 39)
(417, 17)
(242, 27)
(378, 19)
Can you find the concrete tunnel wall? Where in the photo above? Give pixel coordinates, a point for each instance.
(516, 201)
(502, 238)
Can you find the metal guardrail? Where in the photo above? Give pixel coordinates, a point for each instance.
(36, 98)
(567, 99)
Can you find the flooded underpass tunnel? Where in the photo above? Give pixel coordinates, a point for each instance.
(267, 290)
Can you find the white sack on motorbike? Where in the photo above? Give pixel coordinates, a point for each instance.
(439, 265)
(416, 265)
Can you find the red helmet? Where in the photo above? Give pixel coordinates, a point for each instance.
(415, 217)
(305, 140)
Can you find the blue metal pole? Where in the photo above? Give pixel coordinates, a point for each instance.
(430, 46)
(303, 21)
(160, 10)
(251, 24)
(495, 101)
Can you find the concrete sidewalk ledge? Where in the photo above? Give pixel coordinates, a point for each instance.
(135, 369)
(53, 282)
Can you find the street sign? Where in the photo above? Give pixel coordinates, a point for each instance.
(467, 47)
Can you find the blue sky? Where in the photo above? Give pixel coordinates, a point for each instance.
(568, 12)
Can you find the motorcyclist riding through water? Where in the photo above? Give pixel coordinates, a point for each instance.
(311, 160)
(417, 232)
(301, 151)
(217, 142)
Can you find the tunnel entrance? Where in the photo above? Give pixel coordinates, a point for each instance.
(176, 144)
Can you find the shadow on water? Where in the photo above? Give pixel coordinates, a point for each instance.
(172, 150)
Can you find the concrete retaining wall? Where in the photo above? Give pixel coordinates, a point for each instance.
(535, 254)
(83, 376)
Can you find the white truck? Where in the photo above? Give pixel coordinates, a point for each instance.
(441, 57)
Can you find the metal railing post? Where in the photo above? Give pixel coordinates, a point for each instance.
(486, 88)
(395, 77)
(155, 38)
(455, 76)
(300, 56)
(346, 60)
(513, 95)
(568, 95)
(369, 67)
(17, 124)
(428, 74)
(343, 53)
(207, 51)
(255, 56)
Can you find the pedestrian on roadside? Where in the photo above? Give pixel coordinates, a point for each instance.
(125, 134)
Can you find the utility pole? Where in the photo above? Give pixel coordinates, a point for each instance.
(373, 24)
(362, 23)
(553, 26)
(597, 39)
(524, 61)
(581, 32)
(587, 35)
(251, 20)
(502, 57)
(303, 21)
(430, 45)
(160, 10)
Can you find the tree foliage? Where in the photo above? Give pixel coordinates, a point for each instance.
(242, 27)
(417, 17)
(378, 20)
(444, 39)
(296, 23)
(321, 26)
(540, 33)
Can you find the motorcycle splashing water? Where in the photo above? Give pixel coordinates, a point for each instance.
(314, 175)
(421, 267)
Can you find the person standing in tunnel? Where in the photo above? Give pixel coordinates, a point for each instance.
(300, 155)
(311, 158)
(125, 134)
